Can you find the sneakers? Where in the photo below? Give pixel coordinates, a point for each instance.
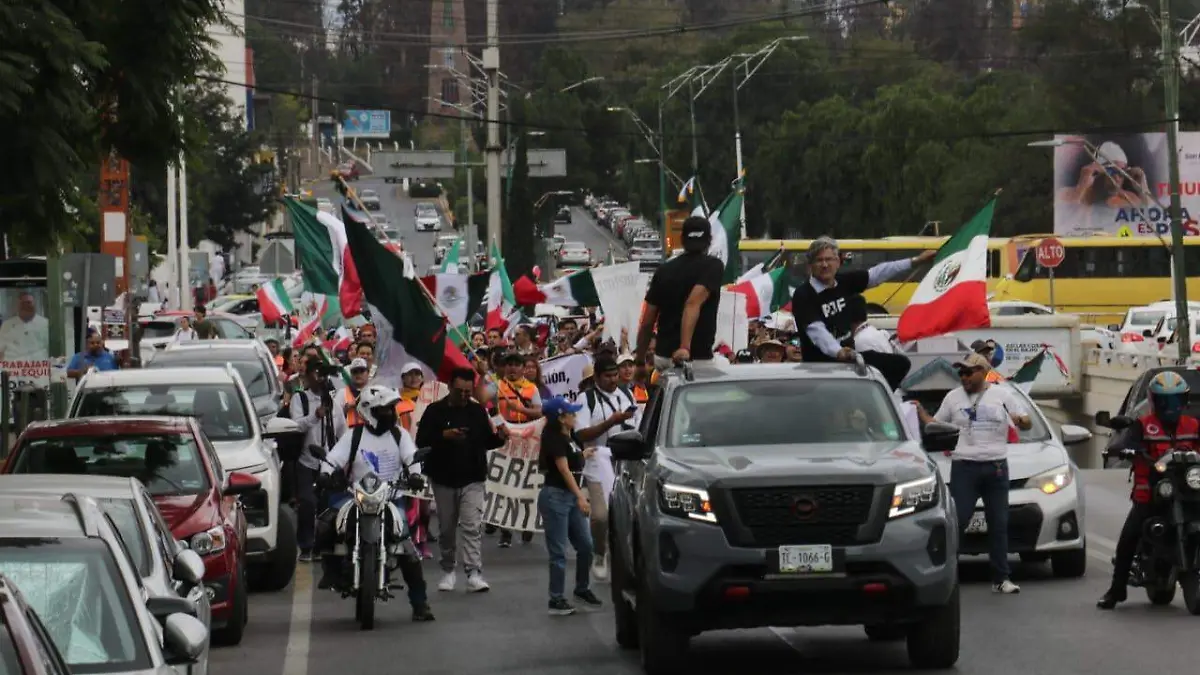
(560, 607)
(588, 599)
(600, 568)
(476, 583)
(448, 582)
(305, 556)
(1006, 587)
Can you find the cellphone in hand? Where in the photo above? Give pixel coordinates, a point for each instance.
(631, 409)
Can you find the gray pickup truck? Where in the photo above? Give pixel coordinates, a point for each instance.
(781, 495)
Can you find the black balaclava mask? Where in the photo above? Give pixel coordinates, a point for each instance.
(385, 420)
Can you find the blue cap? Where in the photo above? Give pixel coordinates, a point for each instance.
(553, 407)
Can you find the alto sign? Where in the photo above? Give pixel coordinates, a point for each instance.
(1050, 253)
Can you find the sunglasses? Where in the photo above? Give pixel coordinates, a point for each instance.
(967, 372)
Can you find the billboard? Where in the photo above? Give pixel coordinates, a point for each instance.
(367, 124)
(1107, 193)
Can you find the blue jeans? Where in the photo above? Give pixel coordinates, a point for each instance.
(563, 521)
(410, 568)
(971, 481)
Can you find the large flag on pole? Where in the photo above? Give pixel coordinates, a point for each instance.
(953, 295)
(726, 224)
(500, 294)
(323, 256)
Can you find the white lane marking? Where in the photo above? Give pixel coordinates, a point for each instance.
(295, 660)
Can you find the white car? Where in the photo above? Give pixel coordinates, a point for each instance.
(1018, 308)
(1046, 511)
(574, 253)
(218, 398)
(442, 245)
(370, 200)
(427, 218)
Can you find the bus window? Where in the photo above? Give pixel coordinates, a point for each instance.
(1092, 262)
(993, 264)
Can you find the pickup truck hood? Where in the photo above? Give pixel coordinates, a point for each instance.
(1024, 459)
(240, 455)
(879, 463)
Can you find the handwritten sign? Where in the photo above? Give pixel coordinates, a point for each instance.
(513, 480)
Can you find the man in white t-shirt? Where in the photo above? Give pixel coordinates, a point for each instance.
(983, 413)
(26, 336)
(607, 409)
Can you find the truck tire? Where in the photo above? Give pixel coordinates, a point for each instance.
(663, 643)
(276, 573)
(624, 616)
(933, 642)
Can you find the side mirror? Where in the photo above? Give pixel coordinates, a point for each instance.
(1074, 435)
(628, 445)
(162, 607)
(1121, 422)
(184, 639)
(280, 426)
(939, 437)
(188, 567)
(1103, 418)
(238, 483)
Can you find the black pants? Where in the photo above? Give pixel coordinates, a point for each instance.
(305, 492)
(1131, 534)
(893, 367)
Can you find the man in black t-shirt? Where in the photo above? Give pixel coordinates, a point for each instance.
(821, 303)
(683, 298)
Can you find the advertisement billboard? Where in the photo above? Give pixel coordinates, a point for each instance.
(1107, 193)
(367, 124)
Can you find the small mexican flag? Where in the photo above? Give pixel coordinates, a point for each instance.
(1028, 372)
(273, 302)
(953, 295)
(500, 294)
(577, 289)
(764, 293)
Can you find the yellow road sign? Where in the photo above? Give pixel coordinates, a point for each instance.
(1125, 232)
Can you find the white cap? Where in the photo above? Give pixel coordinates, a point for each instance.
(625, 358)
(358, 364)
(410, 367)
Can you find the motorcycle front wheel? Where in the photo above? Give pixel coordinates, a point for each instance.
(368, 582)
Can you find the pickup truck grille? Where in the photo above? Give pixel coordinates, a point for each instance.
(254, 504)
(771, 519)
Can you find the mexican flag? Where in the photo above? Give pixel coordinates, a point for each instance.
(450, 261)
(765, 292)
(408, 325)
(1028, 372)
(726, 224)
(500, 293)
(273, 302)
(577, 289)
(953, 295)
(323, 256)
(318, 314)
(458, 296)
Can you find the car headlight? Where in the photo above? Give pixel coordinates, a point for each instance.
(913, 496)
(209, 541)
(1049, 482)
(686, 502)
(1192, 478)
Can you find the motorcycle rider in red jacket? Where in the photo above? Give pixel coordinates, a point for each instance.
(1163, 428)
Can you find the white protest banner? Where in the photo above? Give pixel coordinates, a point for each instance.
(513, 480)
(620, 290)
(733, 326)
(562, 374)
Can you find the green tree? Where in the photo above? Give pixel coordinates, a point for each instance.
(519, 237)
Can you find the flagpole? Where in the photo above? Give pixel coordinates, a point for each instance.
(349, 192)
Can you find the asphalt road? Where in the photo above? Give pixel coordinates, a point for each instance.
(1051, 627)
(399, 207)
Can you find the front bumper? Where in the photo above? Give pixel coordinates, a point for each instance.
(694, 572)
(262, 514)
(1037, 522)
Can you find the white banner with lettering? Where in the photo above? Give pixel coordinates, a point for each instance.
(513, 480)
(562, 374)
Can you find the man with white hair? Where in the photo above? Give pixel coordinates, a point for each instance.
(26, 336)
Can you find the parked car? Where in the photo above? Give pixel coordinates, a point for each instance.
(195, 500)
(26, 647)
(563, 216)
(442, 245)
(219, 399)
(67, 556)
(648, 259)
(574, 253)
(427, 218)
(370, 200)
(250, 358)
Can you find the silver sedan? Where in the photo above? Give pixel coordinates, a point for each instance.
(574, 253)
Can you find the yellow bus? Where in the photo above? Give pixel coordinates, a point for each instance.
(1100, 278)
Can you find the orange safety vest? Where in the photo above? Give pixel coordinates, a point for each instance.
(404, 411)
(994, 377)
(640, 395)
(508, 397)
(352, 418)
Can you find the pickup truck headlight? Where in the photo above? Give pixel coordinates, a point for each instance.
(1052, 481)
(209, 541)
(686, 502)
(913, 496)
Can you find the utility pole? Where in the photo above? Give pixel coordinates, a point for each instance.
(1170, 48)
(469, 236)
(491, 64)
(692, 113)
(662, 183)
(316, 134)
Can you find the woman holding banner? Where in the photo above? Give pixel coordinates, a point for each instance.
(563, 505)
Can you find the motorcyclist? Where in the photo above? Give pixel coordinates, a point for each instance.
(1162, 428)
(382, 446)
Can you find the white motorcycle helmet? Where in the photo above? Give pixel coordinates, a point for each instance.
(374, 402)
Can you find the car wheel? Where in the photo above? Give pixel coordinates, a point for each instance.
(233, 631)
(624, 615)
(277, 572)
(934, 641)
(663, 643)
(1069, 564)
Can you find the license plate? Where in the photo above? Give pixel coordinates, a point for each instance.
(806, 559)
(978, 524)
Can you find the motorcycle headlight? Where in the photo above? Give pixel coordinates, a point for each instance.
(208, 541)
(686, 502)
(371, 494)
(913, 496)
(1165, 489)
(1192, 478)
(1049, 482)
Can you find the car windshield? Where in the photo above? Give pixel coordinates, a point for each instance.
(76, 588)
(168, 464)
(253, 373)
(763, 412)
(152, 330)
(216, 406)
(1145, 318)
(1037, 433)
(367, 194)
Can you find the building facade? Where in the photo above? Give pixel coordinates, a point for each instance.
(448, 65)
